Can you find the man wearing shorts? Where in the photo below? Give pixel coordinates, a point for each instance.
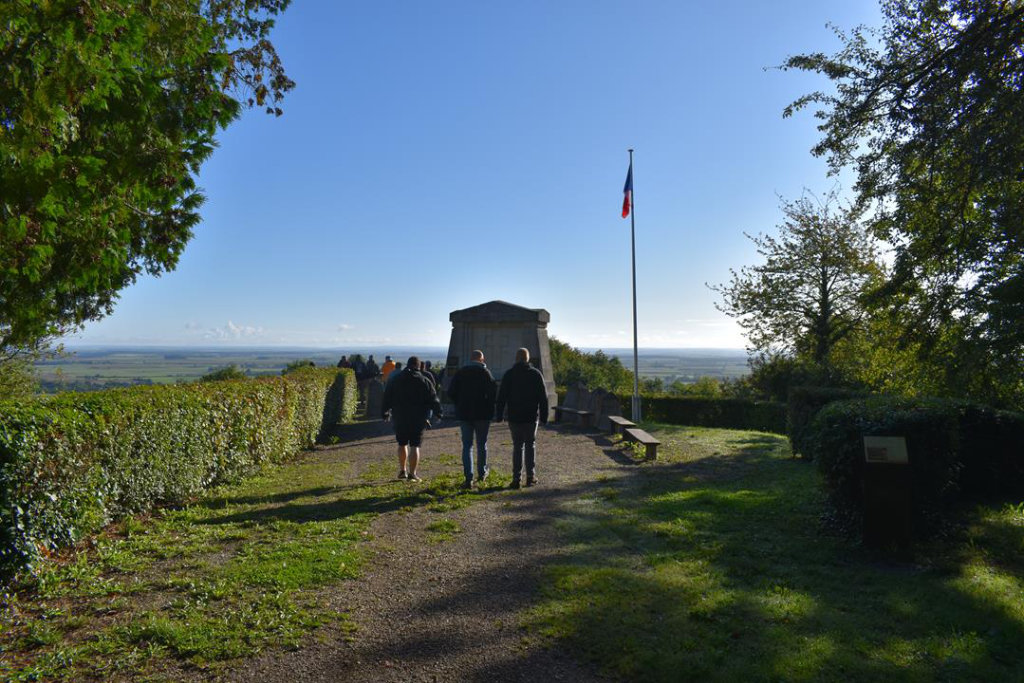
(409, 398)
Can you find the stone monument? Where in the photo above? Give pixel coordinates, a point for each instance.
(374, 398)
(499, 328)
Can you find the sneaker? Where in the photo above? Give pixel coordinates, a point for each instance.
(515, 484)
(402, 474)
(468, 484)
(413, 477)
(531, 482)
(480, 479)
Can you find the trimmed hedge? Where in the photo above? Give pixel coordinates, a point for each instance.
(725, 413)
(958, 451)
(804, 403)
(72, 463)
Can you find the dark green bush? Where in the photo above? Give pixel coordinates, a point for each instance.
(958, 451)
(298, 365)
(72, 463)
(226, 373)
(727, 413)
(803, 404)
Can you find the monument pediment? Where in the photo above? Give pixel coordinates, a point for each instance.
(500, 312)
(499, 329)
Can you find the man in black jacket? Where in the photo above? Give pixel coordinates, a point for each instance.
(522, 389)
(472, 391)
(409, 398)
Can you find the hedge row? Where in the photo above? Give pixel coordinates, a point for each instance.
(958, 451)
(726, 413)
(72, 463)
(804, 403)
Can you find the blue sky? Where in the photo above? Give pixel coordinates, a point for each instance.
(438, 155)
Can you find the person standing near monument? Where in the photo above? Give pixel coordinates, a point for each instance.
(394, 373)
(387, 368)
(358, 366)
(522, 390)
(372, 369)
(409, 398)
(472, 390)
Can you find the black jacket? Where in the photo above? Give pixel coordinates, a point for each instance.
(409, 397)
(472, 390)
(522, 389)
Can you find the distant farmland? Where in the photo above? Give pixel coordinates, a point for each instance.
(87, 369)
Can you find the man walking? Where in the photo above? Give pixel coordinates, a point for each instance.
(472, 391)
(522, 389)
(409, 398)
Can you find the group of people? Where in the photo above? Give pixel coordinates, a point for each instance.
(369, 369)
(410, 399)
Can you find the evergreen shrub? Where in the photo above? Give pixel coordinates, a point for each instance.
(803, 404)
(71, 463)
(959, 452)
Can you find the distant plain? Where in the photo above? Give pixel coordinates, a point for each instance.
(91, 368)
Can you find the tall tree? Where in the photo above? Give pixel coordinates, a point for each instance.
(929, 111)
(597, 370)
(805, 297)
(107, 110)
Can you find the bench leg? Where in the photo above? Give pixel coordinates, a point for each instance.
(652, 451)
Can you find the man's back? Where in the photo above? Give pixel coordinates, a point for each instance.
(410, 396)
(473, 391)
(523, 390)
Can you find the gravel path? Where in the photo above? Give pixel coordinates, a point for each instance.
(451, 611)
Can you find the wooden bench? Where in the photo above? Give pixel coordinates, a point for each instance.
(619, 423)
(583, 415)
(640, 436)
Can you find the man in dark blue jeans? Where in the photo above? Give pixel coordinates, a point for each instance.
(472, 391)
(522, 389)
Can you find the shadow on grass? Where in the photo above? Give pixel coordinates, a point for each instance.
(266, 499)
(715, 569)
(338, 508)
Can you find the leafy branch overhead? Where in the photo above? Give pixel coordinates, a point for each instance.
(107, 111)
(929, 112)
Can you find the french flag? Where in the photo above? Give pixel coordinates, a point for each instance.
(627, 192)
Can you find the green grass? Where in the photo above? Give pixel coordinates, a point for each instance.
(711, 564)
(442, 530)
(192, 589)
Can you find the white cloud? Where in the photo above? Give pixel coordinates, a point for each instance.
(344, 327)
(231, 331)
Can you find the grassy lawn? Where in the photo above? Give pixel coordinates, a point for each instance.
(711, 564)
(192, 589)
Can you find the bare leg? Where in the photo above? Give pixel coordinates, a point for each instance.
(414, 459)
(402, 451)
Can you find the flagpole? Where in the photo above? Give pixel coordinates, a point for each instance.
(632, 240)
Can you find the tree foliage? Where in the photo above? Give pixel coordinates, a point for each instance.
(297, 365)
(929, 111)
(228, 372)
(107, 110)
(805, 298)
(17, 378)
(596, 370)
